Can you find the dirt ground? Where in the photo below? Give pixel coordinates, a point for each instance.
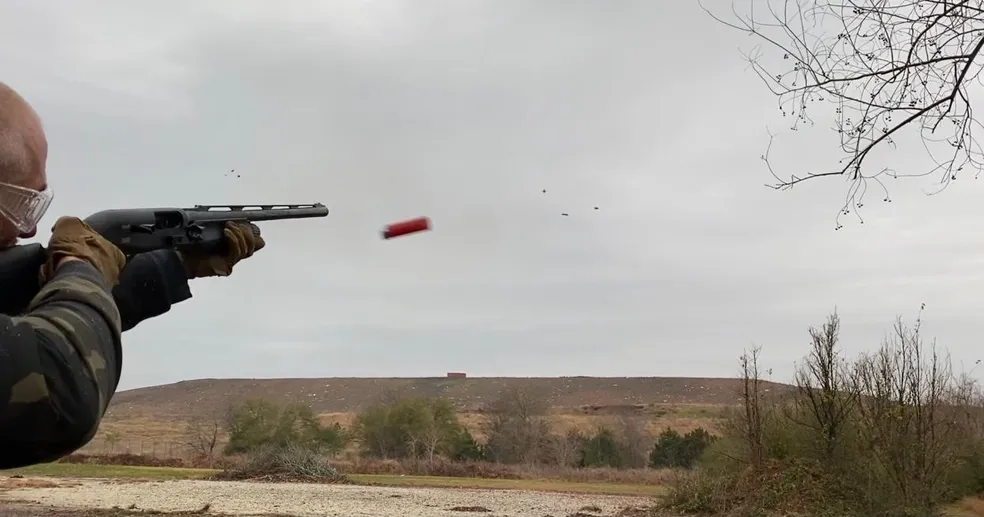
(26, 510)
(47, 497)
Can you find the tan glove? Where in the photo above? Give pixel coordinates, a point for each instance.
(71, 237)
(242, 243)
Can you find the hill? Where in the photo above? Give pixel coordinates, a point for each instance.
(154, 420)
(203, 397)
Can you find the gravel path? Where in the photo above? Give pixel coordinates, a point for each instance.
(301, 499)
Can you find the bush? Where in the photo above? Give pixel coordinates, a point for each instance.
(279, 463)
(463, 447)
(414, 428)
(674, 451)
(258, 424)
(601, 450)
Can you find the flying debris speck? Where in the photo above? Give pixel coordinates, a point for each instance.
(565, 214)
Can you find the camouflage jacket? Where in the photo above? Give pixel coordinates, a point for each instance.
(149, 285)
(60, 366)
(60, 362)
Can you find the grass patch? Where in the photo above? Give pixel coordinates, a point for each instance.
(710, 412)
(546, 485)
(88, 470)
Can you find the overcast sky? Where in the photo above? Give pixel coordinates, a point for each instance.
(464, 111)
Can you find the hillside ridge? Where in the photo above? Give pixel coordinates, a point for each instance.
(202, 397)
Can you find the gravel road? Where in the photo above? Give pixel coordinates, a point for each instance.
(43, 496)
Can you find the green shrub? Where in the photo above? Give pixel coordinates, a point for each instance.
(674, 451)
(601, 450)
(463, 447)
(256, 424)
(417, 428)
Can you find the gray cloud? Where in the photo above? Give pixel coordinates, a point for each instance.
(464, 112)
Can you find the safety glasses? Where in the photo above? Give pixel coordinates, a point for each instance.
(24, 207)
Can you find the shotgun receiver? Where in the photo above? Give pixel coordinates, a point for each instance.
(139, 230)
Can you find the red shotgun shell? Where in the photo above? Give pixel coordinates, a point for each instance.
(406, 227)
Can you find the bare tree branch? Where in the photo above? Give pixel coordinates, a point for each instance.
(884, 68)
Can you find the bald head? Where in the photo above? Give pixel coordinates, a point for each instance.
(23, 147)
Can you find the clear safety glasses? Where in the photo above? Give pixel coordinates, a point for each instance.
(24, 207)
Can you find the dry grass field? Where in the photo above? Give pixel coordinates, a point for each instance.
(154, 420)
(166, 437)
(342, 395)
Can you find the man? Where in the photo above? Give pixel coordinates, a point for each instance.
(60, 361)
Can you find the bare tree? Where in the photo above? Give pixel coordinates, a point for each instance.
(432, 437)
(202, 434)
(111, 438)
(634, 439)
(425, 438)
(567, 448)
(824, 386)
(517, 429)
(752, 429)
(413, 439)
(908, 419)
(886, 70)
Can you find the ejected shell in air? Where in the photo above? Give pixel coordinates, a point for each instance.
(407, 227)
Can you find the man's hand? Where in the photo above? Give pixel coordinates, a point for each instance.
(241, 244)
(72, 239)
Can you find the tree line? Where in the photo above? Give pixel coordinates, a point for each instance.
(516, 432)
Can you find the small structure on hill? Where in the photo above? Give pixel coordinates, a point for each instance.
(457, 375)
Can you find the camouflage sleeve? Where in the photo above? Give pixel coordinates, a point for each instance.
(149, 285)
(59, 367)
